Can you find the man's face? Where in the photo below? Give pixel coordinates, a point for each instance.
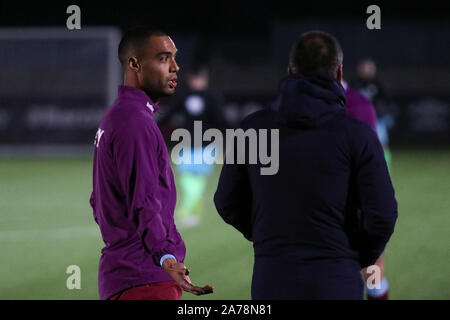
(367, 69)
(158, 70)
(199, 81)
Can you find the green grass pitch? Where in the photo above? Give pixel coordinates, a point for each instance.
(47, 225)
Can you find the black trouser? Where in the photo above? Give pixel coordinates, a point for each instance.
(286, 279)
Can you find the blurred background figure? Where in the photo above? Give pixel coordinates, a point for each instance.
(359, 107)
(197, 101)
(367, 83)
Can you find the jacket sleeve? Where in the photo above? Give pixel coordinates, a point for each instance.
(233, 198)
(376, 197)
(135, 151)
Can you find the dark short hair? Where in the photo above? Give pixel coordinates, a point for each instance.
(134, 40)
(315, 51)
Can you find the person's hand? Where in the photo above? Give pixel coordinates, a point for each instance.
(379, 263)
(178, 272)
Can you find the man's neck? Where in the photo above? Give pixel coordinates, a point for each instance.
(134, 84)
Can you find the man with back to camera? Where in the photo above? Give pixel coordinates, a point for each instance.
(134, 194)
(330, 209)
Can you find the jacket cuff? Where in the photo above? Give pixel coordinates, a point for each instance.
(166, 256)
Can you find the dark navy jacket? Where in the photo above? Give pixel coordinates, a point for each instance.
(332, 197)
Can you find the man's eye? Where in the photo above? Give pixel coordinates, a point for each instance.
(164, 59)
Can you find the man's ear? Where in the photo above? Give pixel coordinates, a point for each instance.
(133, 64)
(340, 74)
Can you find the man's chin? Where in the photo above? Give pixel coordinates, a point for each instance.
(161, 94)
(166, 94)
(169, 92)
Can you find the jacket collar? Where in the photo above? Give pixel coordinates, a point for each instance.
(138, 94)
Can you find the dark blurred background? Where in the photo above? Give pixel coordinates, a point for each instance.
(245, 45)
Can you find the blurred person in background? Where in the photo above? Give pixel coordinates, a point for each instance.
(359, 107)
(368, 84)
(197, 102)
(330, 209)
(134, 194)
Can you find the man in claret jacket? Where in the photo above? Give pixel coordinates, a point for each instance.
(134, 194)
